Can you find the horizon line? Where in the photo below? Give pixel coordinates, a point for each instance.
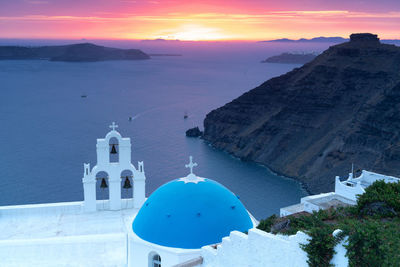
(177, 40)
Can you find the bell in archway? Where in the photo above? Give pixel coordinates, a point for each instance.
(103, 184)
(127, 183)
(113, 149)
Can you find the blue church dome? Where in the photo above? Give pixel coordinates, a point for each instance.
(189, 213)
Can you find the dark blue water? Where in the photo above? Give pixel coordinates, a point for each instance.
(48, 131)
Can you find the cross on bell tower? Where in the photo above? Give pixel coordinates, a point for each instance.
(191, 165)
(113, 126)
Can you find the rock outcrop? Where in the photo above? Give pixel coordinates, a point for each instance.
(194, 132)
(313, 122)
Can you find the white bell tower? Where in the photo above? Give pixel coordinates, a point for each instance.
(114, 171)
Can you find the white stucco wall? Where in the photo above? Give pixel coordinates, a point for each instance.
(356, 186)
(339, 258)
(139, 251)
(258, 248)
(349, 192)
(261, 249)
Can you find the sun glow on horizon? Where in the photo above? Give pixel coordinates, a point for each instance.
(194, 32)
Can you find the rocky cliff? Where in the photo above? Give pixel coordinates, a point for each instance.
(313, 122)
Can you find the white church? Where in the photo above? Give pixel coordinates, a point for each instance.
(190, 221)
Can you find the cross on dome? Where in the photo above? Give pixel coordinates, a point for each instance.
(113, 126)
(191, 165)
(191, 178)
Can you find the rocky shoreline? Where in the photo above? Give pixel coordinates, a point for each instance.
(302, 184)
(190, 133)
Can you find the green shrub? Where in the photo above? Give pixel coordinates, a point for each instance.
(266, 224)
(320, 248)
(373, 243)
(380, 191)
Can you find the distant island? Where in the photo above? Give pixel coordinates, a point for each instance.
(333, 40)
(290, 58)
(165, 55)
(315, 121)
(85, 52)
(313, 40)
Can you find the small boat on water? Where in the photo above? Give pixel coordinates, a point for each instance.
(185, 116)
(83, 96)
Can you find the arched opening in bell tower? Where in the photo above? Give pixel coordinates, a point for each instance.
(102, 187)
(126, 184)
(114, 149)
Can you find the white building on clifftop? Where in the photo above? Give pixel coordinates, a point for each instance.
(345, 193)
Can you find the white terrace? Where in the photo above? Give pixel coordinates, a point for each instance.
(45, 234)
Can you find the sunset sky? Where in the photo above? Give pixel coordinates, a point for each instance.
(197, 20)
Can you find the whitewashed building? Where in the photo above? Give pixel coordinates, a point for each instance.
(345, 194)
(167, 229)
(190, 221)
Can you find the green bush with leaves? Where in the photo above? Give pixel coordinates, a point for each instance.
(379, 191)
(320, 247)
(266, 224)
(373, 243)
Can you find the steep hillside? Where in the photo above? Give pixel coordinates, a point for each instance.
(313, 122)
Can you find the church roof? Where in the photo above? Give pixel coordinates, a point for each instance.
(189, 213)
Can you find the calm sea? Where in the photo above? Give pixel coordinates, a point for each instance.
(48, 130)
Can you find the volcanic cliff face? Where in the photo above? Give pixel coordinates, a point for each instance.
(313, 122)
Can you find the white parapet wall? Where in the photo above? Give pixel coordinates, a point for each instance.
(57, 208)
(370, 177)
(356, 186)
(262, 249)
(347, 191)
(257, 248)
(41, 209)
